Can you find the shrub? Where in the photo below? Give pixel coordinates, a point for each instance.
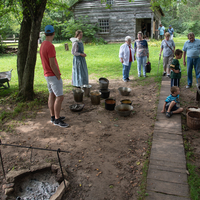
(83, 23)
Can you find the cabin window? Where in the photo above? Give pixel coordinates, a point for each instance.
(104, 25)
(109, 2)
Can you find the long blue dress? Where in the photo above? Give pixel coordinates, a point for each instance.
(79, 70)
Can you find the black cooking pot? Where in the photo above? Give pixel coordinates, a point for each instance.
(126, 101)
(110, 104)
(103, 83)
(105, 93)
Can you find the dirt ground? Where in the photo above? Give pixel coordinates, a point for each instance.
(191, 137)
(106, 151)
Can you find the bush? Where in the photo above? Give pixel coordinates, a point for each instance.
(2, 49)
(89, 30)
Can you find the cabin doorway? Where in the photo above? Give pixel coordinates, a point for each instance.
(145, 22)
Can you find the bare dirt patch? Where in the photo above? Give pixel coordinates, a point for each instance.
(191, 137)
(107, 151)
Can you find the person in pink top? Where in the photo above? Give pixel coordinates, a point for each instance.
(53, 77)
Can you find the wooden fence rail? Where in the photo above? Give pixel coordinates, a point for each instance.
(8, 41)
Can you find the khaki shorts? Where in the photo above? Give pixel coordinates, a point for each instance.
(54, 85)
(167, 61)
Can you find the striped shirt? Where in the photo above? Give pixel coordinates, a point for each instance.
(171, 98)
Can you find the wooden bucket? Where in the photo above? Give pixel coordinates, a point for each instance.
(193, 120)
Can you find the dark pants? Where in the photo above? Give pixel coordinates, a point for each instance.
(190, 63)
(175, 82)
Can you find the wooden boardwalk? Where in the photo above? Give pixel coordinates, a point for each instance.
(167, 177)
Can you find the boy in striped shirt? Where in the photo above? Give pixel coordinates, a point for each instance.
(170, 103)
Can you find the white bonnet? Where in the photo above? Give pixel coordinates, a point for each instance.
(127, 38)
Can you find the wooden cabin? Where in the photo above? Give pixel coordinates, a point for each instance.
(122, 19)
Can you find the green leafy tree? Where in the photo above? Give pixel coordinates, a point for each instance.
(32, 14)
(190, 17)
(184, 18)
(71, 26)
(56, 15)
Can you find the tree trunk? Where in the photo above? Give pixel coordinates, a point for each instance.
(27, 50)
(23, 46)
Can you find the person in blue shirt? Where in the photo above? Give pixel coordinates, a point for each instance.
(171, 101)
(171, 32)
(142, 53)
(161, 29)
(192, 49)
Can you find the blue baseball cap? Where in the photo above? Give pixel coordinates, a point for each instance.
(170, 25)
(49, 29)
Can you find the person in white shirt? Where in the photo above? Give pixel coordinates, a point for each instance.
(126, 55)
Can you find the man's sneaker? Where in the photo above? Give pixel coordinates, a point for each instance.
(59, 122)
(53, 119)
(164, 73)
(128, 79)
(125, 80)
(168, 76)
(188, 86)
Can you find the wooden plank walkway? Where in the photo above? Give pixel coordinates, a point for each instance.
(167, 177)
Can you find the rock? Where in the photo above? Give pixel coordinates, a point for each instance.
(8, 185)
(4, 197)
(60, 191)
(40, 167)
(8, 191)
(59, 177)
(54, 168)
(12, 175)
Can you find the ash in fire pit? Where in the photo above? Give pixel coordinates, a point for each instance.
(40, 186)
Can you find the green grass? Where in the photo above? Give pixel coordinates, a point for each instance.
(194, 181)
(193, 178)
(102, 61)
(142, 193)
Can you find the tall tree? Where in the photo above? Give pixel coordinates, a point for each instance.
(27, 49)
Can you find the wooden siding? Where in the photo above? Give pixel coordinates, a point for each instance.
(124, 18)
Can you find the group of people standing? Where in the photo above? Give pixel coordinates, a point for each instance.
(127, 56)
(171, 64)
(161, 30)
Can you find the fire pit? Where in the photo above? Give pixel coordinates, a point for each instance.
(40, 182)
(36, 186)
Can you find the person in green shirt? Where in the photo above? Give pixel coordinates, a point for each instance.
(176, 68)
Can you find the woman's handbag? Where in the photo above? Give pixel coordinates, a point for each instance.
(148, 67)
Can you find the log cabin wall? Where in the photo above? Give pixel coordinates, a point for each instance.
(124, 18)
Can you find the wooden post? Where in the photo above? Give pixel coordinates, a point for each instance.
(1, 44)
(152, 25)
(66, 47)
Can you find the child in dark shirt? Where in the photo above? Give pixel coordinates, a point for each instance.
(176, 68)
(170, 102)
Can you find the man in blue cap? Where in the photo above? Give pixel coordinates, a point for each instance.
(192, 48)
(52, 75)
(171, 32)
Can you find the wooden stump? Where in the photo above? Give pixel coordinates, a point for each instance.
(66, 47)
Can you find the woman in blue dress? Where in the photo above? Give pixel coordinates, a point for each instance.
(79, 70)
